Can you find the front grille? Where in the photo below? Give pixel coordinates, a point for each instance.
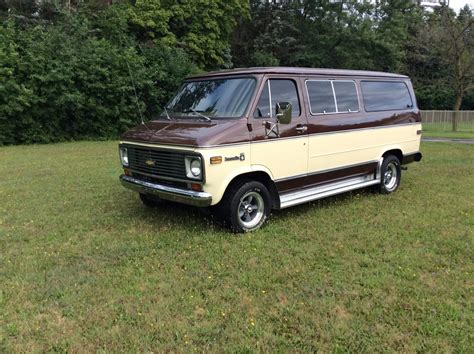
(165, 163)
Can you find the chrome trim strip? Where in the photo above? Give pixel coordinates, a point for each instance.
(193, 147)
(310, 194)
(333, 96)
(378, 174)
(324, 171)
(333, 132)
(270, 98)
(200, 199)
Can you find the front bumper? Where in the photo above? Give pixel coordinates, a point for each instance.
(190, 197)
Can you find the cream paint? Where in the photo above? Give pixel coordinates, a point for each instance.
(284, 158)
(219, 176)
(328, 151)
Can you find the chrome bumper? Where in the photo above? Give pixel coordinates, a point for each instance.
(200, 199)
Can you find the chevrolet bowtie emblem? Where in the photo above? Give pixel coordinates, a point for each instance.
(150, 162)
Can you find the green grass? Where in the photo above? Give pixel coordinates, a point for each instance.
(444, 130)
(85, 267)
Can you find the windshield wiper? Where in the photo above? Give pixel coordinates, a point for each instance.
(198, 113)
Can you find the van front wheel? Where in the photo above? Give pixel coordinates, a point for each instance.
(391, 174)
(246, 206)
(150, 201)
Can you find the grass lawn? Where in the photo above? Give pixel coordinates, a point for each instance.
(85, 267)
(444, 130)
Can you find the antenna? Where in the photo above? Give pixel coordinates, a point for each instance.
(121, 39)
(135, 93)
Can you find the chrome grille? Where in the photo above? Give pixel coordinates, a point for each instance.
(160, 163)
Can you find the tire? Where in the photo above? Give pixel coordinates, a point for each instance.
(150, 200)
(245, 206)
(391, 174)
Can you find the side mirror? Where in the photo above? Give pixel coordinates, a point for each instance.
(283, 112)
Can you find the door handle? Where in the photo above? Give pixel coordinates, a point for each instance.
(301, 128)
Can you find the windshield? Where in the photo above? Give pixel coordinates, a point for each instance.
(212, 98)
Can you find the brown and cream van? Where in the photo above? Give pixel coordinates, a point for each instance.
(246, 141)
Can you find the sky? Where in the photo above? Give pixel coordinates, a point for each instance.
(458, 4)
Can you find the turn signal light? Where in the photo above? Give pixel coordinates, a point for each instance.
(196, 187)
(216, 160)
(127, 172)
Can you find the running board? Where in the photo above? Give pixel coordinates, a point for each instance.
(315, 193)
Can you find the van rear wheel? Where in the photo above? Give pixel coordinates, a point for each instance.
(245, 206)
(391, 174)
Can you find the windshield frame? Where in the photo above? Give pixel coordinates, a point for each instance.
(213, 78)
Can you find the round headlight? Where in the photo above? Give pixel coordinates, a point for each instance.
(195, 167)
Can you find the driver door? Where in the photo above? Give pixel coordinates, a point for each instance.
(280, 148)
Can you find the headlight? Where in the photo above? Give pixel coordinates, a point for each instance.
(193, 167)
(196, 167)
(124, 156)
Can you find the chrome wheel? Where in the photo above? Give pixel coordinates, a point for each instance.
(251, 210)
(390, 176)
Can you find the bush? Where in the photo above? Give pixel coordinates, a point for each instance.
(68, 81)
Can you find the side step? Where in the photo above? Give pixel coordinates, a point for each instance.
(315, 193)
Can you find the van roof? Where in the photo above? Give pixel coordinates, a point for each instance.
(297, 71)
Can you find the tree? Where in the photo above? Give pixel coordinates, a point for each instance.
(318, 33)
(441, 58)
(201, 27)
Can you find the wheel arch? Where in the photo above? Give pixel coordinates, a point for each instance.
(262, 177)
(396, 152)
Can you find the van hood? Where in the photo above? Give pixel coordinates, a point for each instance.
(190, 132)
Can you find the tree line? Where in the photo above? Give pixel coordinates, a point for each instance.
(65, 65)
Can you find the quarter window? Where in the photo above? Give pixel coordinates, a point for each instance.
(328, 96)
(385, 96)
(277, 90)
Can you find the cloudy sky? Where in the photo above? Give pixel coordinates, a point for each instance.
(457, 4)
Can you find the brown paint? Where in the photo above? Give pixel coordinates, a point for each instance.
(195, 133)
(190, 132)
(321, 178)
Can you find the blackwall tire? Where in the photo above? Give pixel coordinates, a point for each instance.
(390, 174)
(245, 206)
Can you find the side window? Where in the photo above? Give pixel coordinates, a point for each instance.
(332, 96)
(346, 96)
(285, 91)
(281, 90)
(321, 97)
(385, 96)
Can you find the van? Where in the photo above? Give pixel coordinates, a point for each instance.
(246, 141)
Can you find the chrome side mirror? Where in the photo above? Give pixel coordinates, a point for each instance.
(283, 112)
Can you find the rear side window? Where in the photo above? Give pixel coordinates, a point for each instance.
(385, 96)
(277, 90)
(332, 96)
